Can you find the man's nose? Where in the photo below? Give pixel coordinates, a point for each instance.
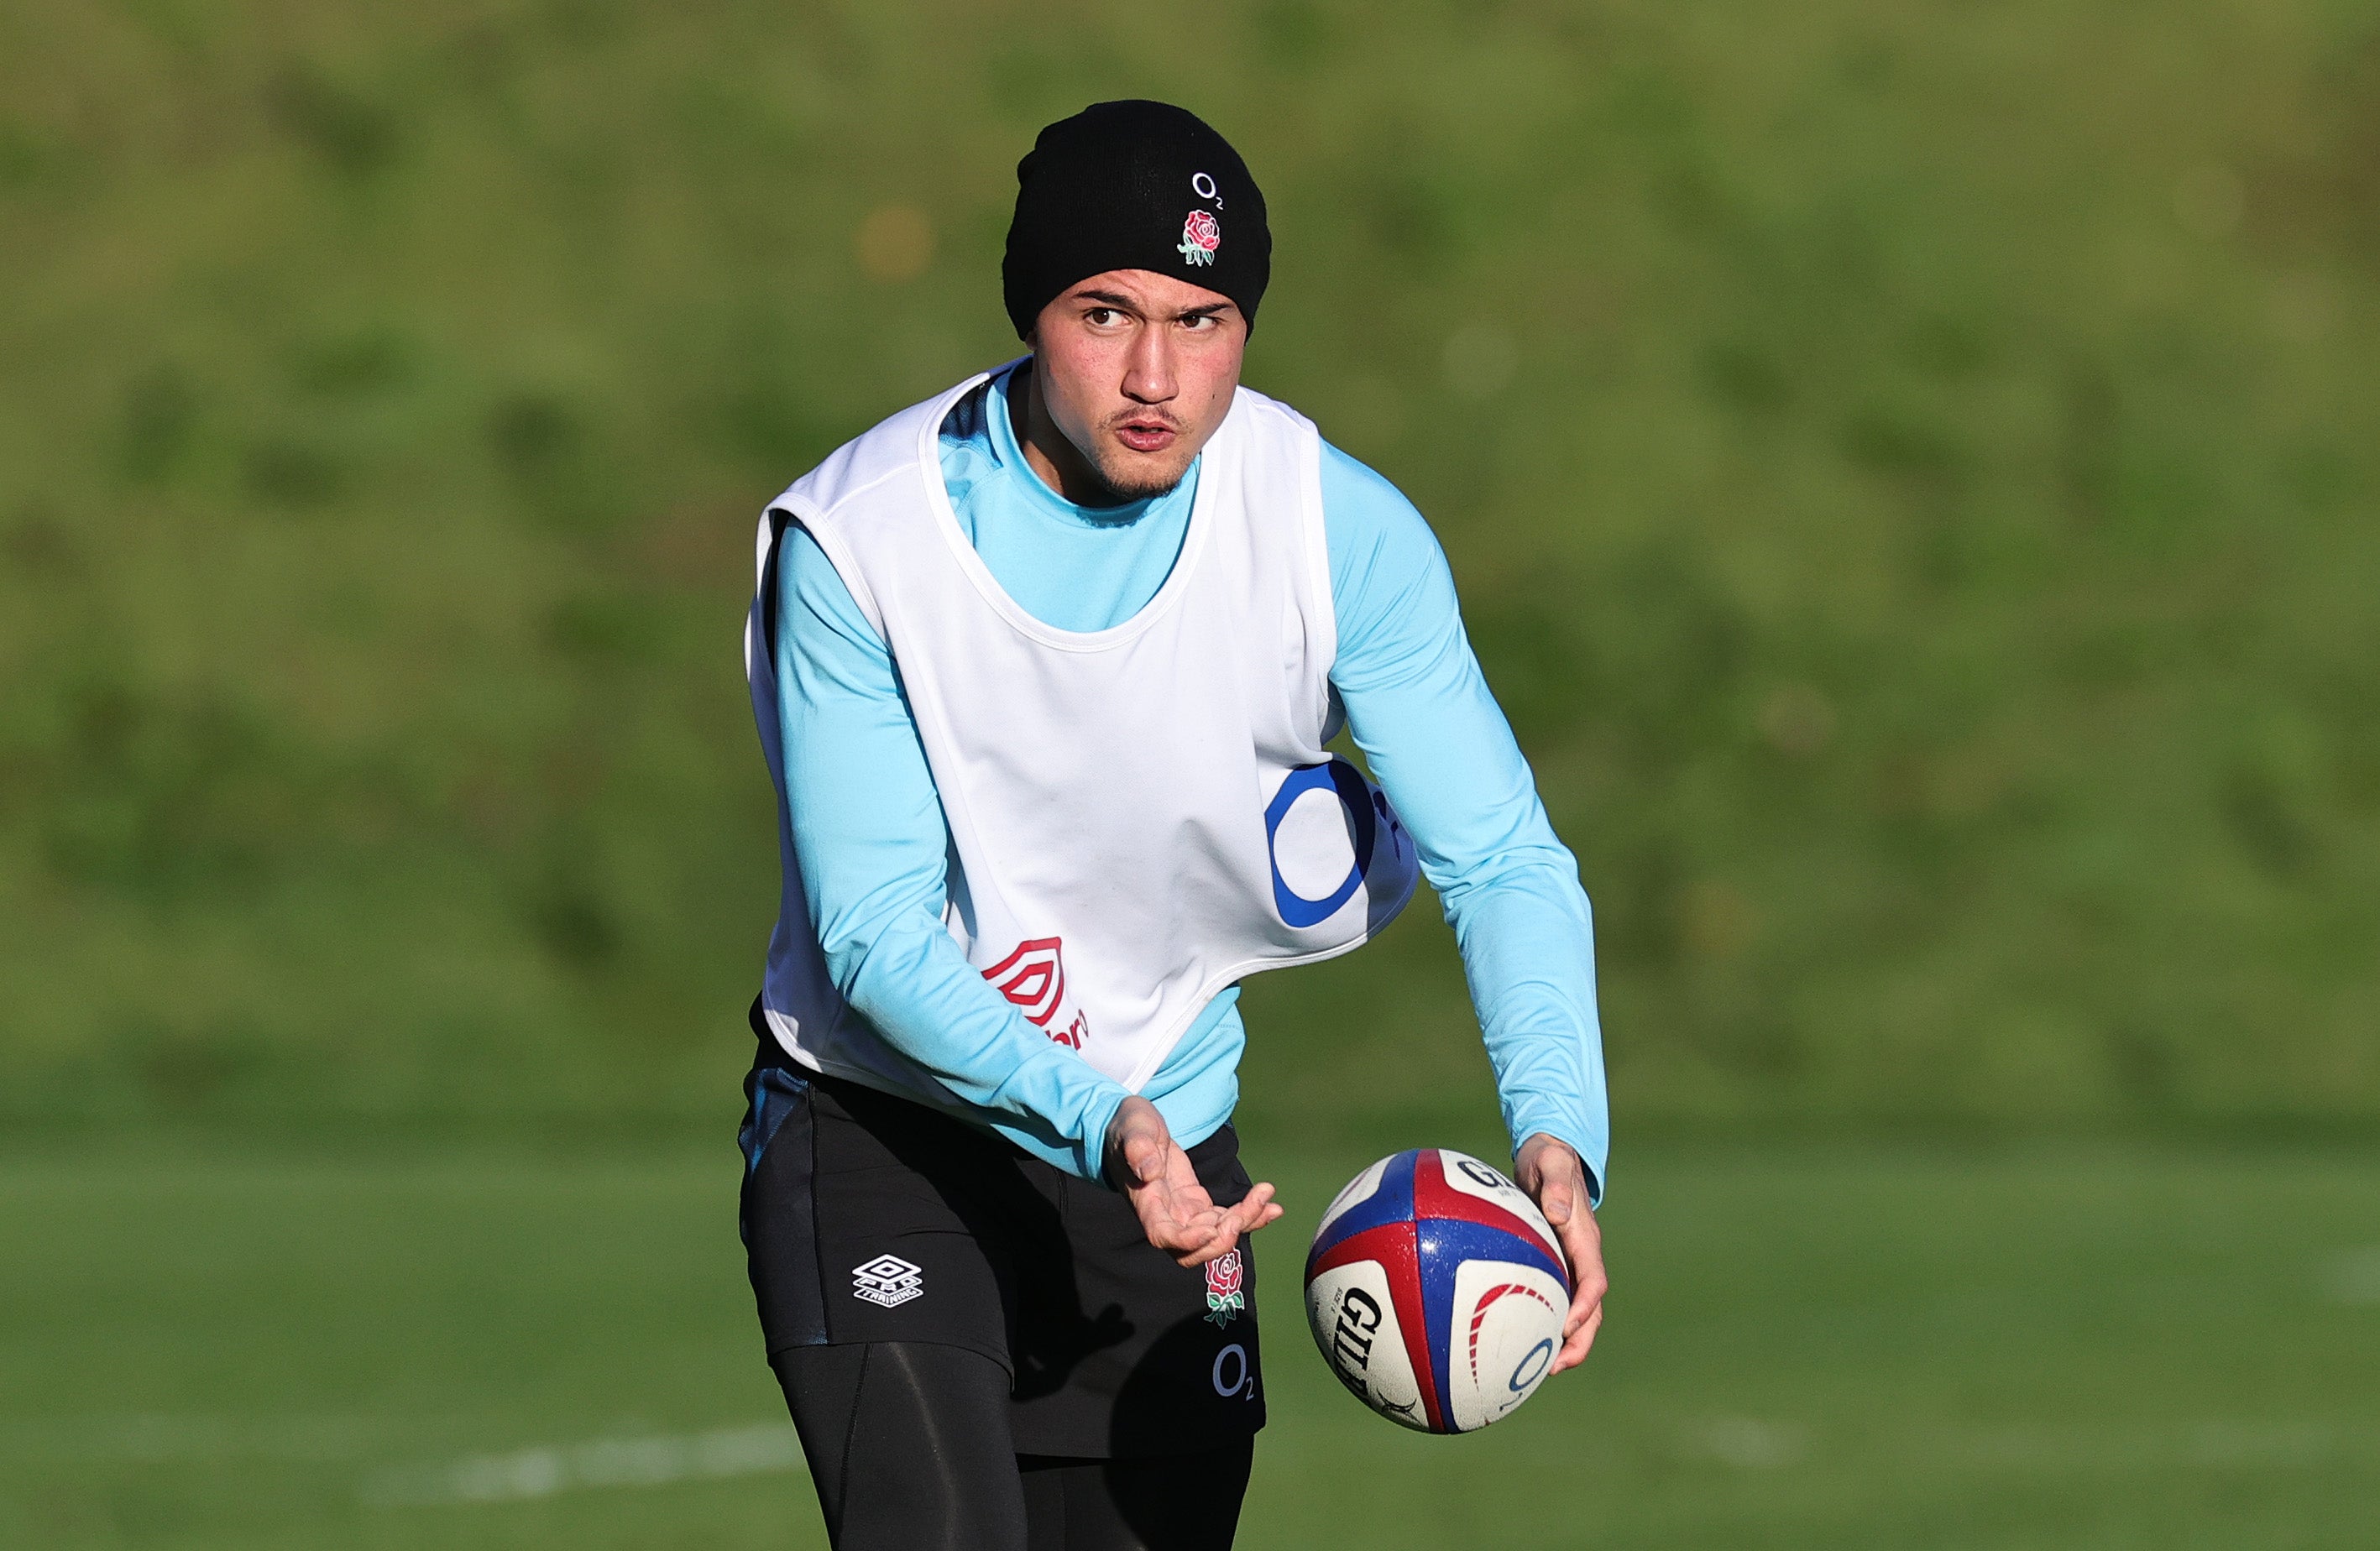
(1148, 366)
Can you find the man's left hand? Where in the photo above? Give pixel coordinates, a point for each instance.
(1550, 1170)
(1175, 1211)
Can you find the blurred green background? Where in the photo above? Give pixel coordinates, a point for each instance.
(1913, 472)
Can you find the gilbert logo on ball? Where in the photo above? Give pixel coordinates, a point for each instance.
(1201, 235)
(1436, 1292)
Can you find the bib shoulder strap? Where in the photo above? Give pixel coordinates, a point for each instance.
(836, 493)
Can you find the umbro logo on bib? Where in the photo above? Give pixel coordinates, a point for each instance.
(1034, 979)
(887, 1281)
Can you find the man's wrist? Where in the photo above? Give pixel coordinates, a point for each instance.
(1537, 1146)
(1097, 1138)
(1541, 1140)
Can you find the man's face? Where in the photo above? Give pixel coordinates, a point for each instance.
(1135, 369)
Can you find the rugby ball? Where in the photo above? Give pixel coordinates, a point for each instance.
(1436, 1292)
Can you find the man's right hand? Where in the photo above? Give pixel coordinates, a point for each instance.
(1175, 1211)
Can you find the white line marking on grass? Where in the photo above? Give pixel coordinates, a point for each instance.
(2354, 1278)
(1751, 1444)
(2248, 1445)
(554, 1467)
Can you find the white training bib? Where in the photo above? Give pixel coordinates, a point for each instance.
(1139, 816)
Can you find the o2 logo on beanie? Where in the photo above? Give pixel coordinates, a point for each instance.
(1201, 235)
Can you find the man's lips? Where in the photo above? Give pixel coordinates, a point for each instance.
(1146, 436)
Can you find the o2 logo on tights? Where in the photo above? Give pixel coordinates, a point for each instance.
(1234, 1375)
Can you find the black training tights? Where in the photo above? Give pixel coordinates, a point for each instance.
(908, 1446)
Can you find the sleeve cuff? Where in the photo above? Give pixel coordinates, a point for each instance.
(1091, 1142)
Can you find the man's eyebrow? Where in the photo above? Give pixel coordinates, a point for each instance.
(1132, 305)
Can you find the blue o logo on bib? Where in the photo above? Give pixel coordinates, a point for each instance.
(1355, 798)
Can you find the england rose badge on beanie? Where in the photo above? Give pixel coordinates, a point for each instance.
(1133, 185)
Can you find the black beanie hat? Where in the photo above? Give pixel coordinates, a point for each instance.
(1133, 185)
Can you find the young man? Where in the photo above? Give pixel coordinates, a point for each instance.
(1044, 670)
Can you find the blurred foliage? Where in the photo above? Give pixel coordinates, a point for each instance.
(1912, 470)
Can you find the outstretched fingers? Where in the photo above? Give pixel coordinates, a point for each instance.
(1180, 1217)
(1578, 1342)
(1582, 1246)
(1255, 1209)
(1175, 1211)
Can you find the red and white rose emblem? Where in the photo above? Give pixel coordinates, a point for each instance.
(1201, 235)
(1224, 1298)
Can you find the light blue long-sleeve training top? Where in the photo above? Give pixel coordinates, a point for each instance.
(875, 850)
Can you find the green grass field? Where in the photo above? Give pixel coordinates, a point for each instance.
(1822, 1347)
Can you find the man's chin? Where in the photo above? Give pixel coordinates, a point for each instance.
(1140, 480)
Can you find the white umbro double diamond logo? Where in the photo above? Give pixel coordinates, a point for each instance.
(887, 1280)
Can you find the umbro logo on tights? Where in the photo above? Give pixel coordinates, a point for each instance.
(887, 1280)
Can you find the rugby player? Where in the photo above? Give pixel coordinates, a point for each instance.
(1044, 670)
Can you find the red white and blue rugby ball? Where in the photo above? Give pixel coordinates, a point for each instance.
(1436, 1292)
